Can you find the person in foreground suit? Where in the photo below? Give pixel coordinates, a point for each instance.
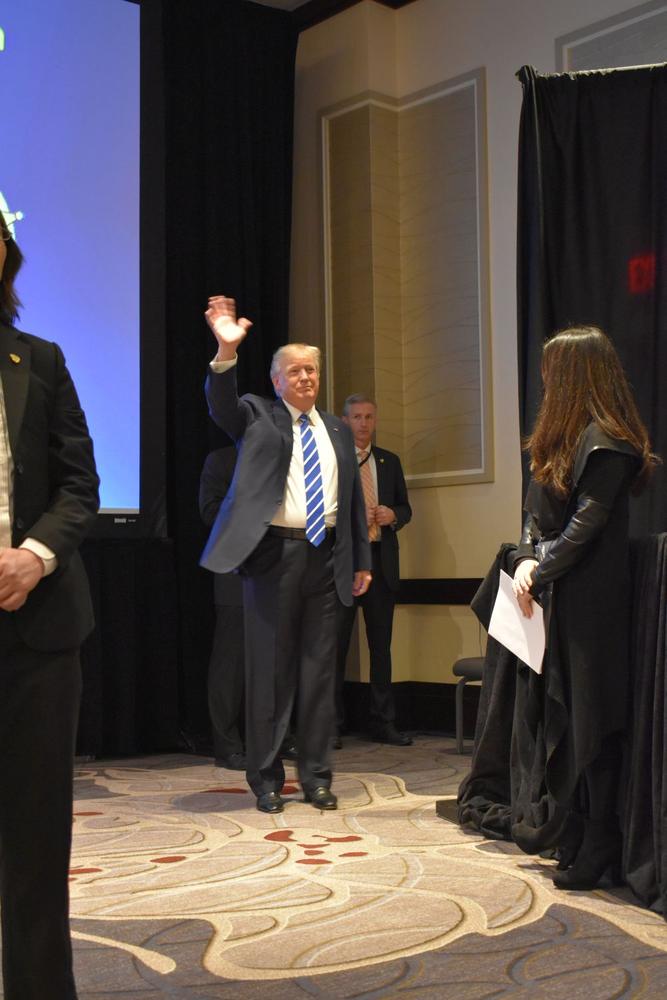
(387, 511)
(48, 501)
(294, 523)
(226, 666)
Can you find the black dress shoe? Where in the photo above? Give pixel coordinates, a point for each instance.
(321, 798)
(233, 762)
(289, 751)
(392, 736)
(270, 802)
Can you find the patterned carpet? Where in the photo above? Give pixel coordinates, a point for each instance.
(181, 889)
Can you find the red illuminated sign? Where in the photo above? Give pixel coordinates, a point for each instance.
(641, 273)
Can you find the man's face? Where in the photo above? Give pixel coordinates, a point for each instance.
(361, 419)
(298, 381)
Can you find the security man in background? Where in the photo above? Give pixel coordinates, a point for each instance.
(387, 510)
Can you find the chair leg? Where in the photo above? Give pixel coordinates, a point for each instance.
(459, 715)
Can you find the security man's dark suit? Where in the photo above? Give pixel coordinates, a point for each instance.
(291, 588)
(226, 667)
(55, 501)
(379, 600)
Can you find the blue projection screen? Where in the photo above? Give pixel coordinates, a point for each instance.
(69, 185)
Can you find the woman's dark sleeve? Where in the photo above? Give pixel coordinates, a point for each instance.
(603, 477)
(529, 538)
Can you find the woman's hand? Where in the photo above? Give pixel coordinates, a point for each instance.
(523, 577)
(525, 603)
(521, 584)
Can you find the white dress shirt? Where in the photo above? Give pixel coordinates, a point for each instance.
(292, 511)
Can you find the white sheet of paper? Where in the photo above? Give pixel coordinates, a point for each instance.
(522, 636)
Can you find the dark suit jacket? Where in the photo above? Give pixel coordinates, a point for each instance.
(392, 492)
(55, 485)
(216, 478)
(262, 429)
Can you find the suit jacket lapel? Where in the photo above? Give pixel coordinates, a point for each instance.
(15, 373)
(333, 432)
(283, 422)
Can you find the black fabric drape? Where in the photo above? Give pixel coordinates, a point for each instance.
(645, 828)
(498, 788)
(592, 230)
(228, 98)
(485, 795)
(130, 701)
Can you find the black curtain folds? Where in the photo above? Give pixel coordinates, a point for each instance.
(228, 99)
(130, 702)
(592, 224)
(592, 231)
(497, 790)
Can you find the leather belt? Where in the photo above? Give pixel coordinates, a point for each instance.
(295, 533)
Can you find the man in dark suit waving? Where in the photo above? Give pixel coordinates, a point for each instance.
(387, 509)
(294, 524)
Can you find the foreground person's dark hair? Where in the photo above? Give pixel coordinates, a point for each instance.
(9, 300)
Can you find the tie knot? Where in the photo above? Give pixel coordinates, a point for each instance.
(303, 419)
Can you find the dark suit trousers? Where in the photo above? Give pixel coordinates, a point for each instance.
(290, 632)
(39, 707)
(226, 680)
(378, 608)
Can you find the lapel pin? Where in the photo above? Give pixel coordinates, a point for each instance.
(15, 358)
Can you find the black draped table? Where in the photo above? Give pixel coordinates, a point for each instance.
(490, 793)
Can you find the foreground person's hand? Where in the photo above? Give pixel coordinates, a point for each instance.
(361, 582)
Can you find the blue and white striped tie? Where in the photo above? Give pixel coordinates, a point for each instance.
(315, 529)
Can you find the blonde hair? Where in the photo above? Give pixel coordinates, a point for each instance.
(286, 349)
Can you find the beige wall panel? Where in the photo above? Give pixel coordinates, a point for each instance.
(349, 54)
(456, 529)
(426, 643)
(351, 253)
(385, 200)
(440, 281)
(425, 274)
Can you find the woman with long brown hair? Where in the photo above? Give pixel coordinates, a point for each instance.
(588, 451)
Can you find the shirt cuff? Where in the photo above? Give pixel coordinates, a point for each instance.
(48, 557)
(218, 367)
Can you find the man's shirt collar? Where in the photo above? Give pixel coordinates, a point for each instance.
(312, 414)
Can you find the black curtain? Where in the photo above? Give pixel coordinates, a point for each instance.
(229, 97)
(217, 120)
(645, 779)
(493, 794)
(592, 233)
(130, 701)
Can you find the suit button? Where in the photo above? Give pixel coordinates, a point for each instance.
(19, 468)
(19, 523)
